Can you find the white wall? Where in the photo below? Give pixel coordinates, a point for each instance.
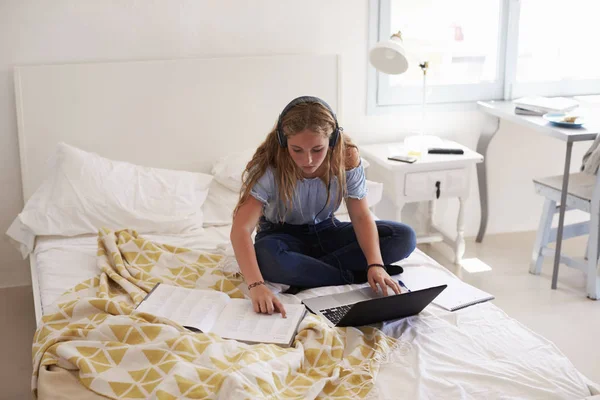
(63, 31)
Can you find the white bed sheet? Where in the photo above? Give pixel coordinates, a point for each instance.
(477, 352)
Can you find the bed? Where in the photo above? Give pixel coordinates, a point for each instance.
(220, 108)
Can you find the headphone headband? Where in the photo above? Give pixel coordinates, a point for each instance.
(301, 100)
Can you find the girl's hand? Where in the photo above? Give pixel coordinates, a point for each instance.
(264, 301)
(378, 276)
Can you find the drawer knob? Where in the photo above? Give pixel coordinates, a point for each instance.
(437, 190)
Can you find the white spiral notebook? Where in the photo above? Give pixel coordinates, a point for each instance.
(457, 295)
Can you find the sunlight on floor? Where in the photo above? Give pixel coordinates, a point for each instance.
(473, 265)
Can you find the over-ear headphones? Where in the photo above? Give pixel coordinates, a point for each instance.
(307, 99)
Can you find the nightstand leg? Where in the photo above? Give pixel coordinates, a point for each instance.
(459, 250)
(399, 208)
(430, 215)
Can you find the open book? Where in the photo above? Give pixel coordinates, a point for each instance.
(457, 295)
(210, 311)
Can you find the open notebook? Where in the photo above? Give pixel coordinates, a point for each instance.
(210, 311)
(457, 295)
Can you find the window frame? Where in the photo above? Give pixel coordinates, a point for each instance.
(383, 98)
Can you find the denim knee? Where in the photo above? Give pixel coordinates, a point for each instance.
(398, 240)
(275, 261)
(266, 255)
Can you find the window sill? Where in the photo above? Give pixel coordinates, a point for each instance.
(416, 108)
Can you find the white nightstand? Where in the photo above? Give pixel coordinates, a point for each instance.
(433, 176)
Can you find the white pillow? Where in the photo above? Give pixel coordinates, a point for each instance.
(228, 170)
(219, 205)
(374, 195)
(85, 192)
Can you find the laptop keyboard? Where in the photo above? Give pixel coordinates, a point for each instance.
(335, 314)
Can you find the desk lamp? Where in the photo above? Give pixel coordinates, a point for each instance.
(390, 57)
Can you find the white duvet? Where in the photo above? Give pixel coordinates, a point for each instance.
(475, 353)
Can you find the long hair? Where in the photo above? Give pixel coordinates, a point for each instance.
(316, 118)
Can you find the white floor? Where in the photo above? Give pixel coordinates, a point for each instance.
(565, 315)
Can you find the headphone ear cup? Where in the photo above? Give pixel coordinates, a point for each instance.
(334, 138)
(281, 138)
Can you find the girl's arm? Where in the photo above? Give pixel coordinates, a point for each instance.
(244, 223)
(368, 240)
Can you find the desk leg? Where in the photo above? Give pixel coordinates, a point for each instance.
(490, 127)
(561, 215)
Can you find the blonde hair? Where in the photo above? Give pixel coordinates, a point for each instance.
(316, 118)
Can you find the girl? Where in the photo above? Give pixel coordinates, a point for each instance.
(294, 183)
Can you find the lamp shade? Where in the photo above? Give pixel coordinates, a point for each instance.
(389, 56)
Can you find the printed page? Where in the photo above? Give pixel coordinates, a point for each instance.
(195, 308)
(239, 321)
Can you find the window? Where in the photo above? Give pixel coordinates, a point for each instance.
(557, 54)
(484, 50)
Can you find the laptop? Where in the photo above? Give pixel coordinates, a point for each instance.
(363, 306)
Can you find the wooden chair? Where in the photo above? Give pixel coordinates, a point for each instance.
(584, 195)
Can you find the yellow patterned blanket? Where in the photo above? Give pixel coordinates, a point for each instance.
(120, 353)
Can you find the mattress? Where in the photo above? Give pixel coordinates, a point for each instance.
(63, 262)
(476, 352)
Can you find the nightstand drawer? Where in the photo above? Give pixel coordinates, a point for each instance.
(436, 184)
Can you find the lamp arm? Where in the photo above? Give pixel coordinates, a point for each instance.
(424, 66)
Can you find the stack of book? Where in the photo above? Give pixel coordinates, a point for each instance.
(538, 105)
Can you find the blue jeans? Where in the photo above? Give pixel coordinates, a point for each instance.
(323, 254)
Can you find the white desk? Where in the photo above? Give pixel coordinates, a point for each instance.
(497, 110)
(432, 177)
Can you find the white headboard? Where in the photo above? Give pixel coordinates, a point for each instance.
(178, 114)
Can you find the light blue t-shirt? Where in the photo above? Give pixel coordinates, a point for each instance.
(309, 197)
